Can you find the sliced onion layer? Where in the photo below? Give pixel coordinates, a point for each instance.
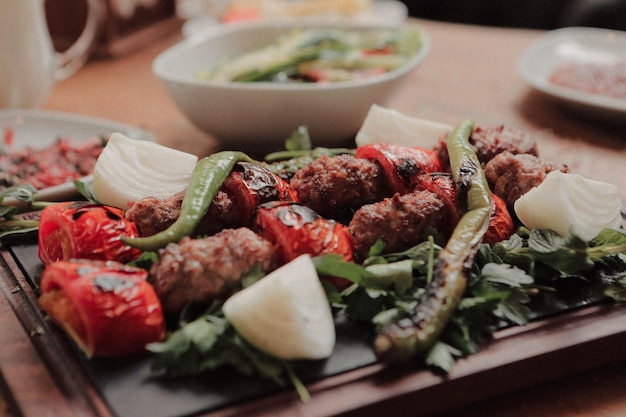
(572, 203)
(286, 313)
(129, 170)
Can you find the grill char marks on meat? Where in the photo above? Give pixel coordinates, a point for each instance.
(511, 176)
(491, 141)
(332, 186)
(153, 215)
(400, 222)
(336, 186)
(247, 186)
(199, 271)
(442, 184)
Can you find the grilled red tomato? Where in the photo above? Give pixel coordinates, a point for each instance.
(250, 185)
(444, 186)
(501, 225)
(107, 308)
(402, 165)
(296, 229)
(84, 230)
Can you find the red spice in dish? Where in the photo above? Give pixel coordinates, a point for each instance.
(603, 79)
(64, 161)
(7, 136)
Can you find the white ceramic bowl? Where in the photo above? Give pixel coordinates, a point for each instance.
(260, 116)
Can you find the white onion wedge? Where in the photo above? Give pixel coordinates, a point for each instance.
(383, 125)
(285, 314)
(568, 203)
(129, 170)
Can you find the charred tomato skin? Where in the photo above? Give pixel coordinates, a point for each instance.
(402, 165)
(84, 230)
(295, 230)
(249, 185)
(108, 308)
(501, 224)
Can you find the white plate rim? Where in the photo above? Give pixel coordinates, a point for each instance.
(541, 58)
(72, 125)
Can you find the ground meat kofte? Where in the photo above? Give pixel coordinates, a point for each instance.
(153, 215)
(247, 186)
(491, 141)
(330, 185)
(199, 271)
(511, 176)
(400, 222)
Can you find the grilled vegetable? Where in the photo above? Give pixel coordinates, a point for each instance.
(402, 340)
(298, 230)
(84, 230)
(402, 165)
(107, 308)
(442, 184)
(249, 185)
(206, 179)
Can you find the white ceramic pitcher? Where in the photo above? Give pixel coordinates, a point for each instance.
(29, 65)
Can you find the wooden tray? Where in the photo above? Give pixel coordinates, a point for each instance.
(353, 384)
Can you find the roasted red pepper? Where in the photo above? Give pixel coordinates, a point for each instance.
(107, 308)
(84, 230)
(402, 165)
(297, 230)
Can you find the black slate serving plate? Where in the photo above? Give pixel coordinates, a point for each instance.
(129, 388)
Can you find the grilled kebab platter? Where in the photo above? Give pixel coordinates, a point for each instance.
(320, 280)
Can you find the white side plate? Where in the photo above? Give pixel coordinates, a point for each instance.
(578, 44)
(39, 129)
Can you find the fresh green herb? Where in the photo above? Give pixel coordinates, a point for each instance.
(333, 264)
(545, 253)
(503, 283)
(85, 188)
(418, 331)
(500, 292)
(25, 193)
(145, 260)
(13, 222)
(298, 144)
(209, 343)
(298, 153)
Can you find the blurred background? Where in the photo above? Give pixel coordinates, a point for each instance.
(129, 24)
(535, 14)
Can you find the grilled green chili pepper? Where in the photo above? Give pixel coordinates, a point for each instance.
(402, 340)
(206, 179)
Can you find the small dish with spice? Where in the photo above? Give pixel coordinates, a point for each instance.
(52, 142)
(584, 68)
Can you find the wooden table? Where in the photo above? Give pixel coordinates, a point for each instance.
(471, 72)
